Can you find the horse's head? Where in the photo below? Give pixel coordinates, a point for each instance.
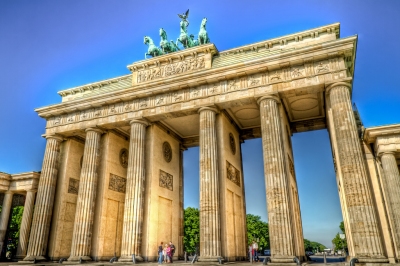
(163, 34)
(147, 40)
(204, 22)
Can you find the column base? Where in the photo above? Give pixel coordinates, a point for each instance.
(129, 258)
(34, 258)
(78, 258)
(287, 260)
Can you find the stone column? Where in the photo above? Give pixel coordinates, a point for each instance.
(181, 203)
(134, 197)
(276, 181)
(391, 184)
(5, 215)
(45, 200)
(26, 223)
(210, 235)
(83, 226)
(358, 199)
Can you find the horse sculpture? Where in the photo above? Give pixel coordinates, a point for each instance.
(203, 36)
(186, 40)
(152, 50)
(167, 47)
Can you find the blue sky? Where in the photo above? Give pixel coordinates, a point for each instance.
(47, 46)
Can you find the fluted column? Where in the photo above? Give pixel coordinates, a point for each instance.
(134, 197)
(358, 199)
(391, 183)
(26, 223)
(83, 226)
(5, 215)
(276, 181)
(210, 235)
(45, 200)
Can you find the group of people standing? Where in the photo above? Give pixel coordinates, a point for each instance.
(253, 248)
(166, 252)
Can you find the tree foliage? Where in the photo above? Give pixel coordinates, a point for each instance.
(313, 246)
(337, 241)
(191, 236)
(257, 229)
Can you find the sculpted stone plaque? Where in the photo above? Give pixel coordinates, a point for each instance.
(232, 143)
(123, 158)
(167, 151)
(73, 186)
(170, 69)
(232, 173)
(117, 183)
(166, 180)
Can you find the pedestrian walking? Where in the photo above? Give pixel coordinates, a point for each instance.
(160, 253)
(172, 247)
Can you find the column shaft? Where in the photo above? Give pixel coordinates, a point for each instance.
(45, 199)
(210, 235)
(391, 183)
(134, 197)
(358, 198)
(83, 226)
(26, 224)
(5, 215)
(276, 182)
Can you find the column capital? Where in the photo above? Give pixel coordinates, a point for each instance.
(139, 121)
(271, 96)
(337, 84)
(57, 137)
(9, 192)
(386, 153)
(95, 129)
(209, 108)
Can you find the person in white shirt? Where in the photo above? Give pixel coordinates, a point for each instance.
(255, 248)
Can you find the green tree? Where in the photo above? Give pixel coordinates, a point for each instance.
(14, 228)
(191, 236)
(257, 229)
(337, 241)
(313, 246)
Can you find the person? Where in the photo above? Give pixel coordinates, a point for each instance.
(255, 248)
(251, 253)
(160, 253)
(172, 246)
(168, 251)
(165, 253)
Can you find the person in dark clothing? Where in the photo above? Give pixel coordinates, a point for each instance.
(160, 253)
(172, 246)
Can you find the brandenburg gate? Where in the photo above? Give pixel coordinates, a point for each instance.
(112, 175)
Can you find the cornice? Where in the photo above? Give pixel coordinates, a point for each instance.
(311, 53)
(371, 133)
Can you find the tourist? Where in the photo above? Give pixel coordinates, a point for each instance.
(168, 251)
(255, 248)
(160, 253)
(165, 253)
(172, 246)
(251, 253)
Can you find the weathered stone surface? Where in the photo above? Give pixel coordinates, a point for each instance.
(26, 224)
(362, 217)
(83, 226)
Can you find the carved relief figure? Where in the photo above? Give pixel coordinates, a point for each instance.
(117, 183)
(73, 186)
(167, 151)
(321, 67)
(232, 173)
(123, 157)
(166, 180)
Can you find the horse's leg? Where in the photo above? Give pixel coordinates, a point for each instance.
(145, 55)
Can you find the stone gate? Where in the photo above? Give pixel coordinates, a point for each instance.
(112, 178)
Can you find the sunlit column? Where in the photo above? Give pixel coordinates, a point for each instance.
(358, 199)
(210, 235)
(5, 215)
(134, 197)
(391, 183)
(82, 235)
(26, 223)
(276, 181)
(45, 201)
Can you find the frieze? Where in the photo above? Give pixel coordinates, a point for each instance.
(73, 186)
(232, 173)
(171, 69)
(166, 180)
(117, 183)
(298, 75)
